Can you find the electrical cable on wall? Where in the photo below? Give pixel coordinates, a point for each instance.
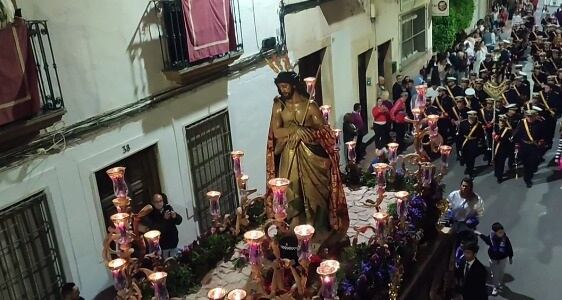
(255, 27)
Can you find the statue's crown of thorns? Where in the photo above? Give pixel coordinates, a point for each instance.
(280, 63)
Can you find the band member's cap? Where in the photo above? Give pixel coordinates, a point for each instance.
(472, 113)
(530, 112)
(522, 74)
(503, 117)
(459, 98)
(489, 100)
(464, 79)
(536, 108)
(479, 81)
(518, 66)
(511, 106)
(551, 77)
(470, 92)
(451, 79)
(507, 42)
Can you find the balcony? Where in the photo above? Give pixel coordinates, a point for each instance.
(34, 99)
(177, 43)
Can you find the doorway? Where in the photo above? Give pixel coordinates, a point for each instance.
(362, 64)
(385, 64)
(309, 66)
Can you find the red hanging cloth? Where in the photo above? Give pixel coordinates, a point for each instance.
(19, 94)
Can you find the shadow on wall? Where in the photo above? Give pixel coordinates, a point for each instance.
(339, 10)
(145, 55)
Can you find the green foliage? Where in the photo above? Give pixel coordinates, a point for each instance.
(445, 29)
(180, 281)
(391, 210)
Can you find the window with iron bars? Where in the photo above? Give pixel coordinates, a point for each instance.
(209, 146)
(30, 266)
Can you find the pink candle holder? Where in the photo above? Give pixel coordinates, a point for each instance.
(420, 91)
(392, 152)
(401, 203)
(337, 134)
(117, 266)
(121, 223)
(237, 294)
(158, 280)
(237, 162)
(122, 204)
(216, 294)
(417, 113)
(214, 204)
(254, 240)
(327, 273)
(445, 151)
(381, 219)
(326, 109)
(310, 86)
(117, 176)
(279, 188)
(153, 240)
(427, 173)
(432, 124)
(380, 172)
(304, 233)
(351, 156)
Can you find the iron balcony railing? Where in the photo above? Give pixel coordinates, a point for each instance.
(173, 37)
(47, 74)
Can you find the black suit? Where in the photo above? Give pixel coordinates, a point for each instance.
(473, 285)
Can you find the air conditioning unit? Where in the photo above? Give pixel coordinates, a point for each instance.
(372, 9)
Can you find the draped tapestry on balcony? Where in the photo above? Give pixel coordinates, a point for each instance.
(210, 28)
(19, 95)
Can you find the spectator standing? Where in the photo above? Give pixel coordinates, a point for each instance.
(164, 219)
(499, 251)
(381, 117)
(398, 116)
(357, 120)
(397, 87)
(381, 88)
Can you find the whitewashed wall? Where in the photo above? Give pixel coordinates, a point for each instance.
(108, 56)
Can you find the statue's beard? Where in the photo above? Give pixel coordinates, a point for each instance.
(287, 95)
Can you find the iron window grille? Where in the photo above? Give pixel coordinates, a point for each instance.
(209, 146)
(30, 265)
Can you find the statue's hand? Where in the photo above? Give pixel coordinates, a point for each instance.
(305, 134)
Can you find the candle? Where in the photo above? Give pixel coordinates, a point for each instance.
(121, 223)
(392, 152)
(416, 112)
(216, 294)
(351, 151)
(117, 176)
(116, 267)
(153, 239)
(337, 134)
(432, 123)
(253, 240)
(401, 201)
(158, 280)
(310, 86)
(236, 161)
(304, 233)
(327, 275)
(326, 112)
(380, 223)
(237, 294)
(121, 204)
(214, 204)
(380, 172)
(279, 188)
(427, 173)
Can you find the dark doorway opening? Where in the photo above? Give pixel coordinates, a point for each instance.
(141, 175)
(385, 64)
(309, 66)
(362, 64)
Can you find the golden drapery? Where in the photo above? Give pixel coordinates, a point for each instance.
(316, 193)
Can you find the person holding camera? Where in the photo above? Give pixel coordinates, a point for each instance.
(164, 219)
